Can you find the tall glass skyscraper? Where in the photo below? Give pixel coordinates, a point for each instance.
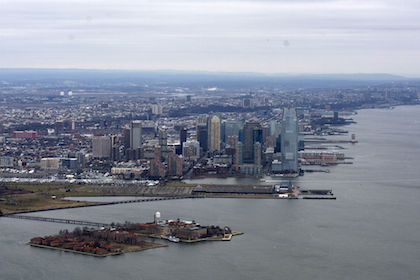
(289, 141)
(252, 134)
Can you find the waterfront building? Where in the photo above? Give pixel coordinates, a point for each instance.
(289, 141)
(213, 126)
(102, 147)
(157, 169)
(174, 164)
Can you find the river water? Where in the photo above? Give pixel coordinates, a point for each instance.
(372, 230)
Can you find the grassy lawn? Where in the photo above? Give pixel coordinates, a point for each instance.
(40, 196)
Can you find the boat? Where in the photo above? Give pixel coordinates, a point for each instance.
(173, 239)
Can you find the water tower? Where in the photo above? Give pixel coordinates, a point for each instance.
(156, 217)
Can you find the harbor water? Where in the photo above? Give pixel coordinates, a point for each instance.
(370, 232)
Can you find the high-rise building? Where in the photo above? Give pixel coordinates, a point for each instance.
(202, 132)
(289, 141)
(182, 136)
(275, 128)
(157, 109)
(191, 150)
(246, 103)
(252, 134)
(202, 135)
(102, 146)
(174, 165)
(213, 126)
(135, 135)
(126, 138)
(157, 169)
(234, 144)
(231, 128)
(163, 138)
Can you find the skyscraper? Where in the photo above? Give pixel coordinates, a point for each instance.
(202, 132)
(135, 135)
(182, 136)
(163, 138)
(213, 126)
(101, 146)
(231, 128)
(289, 141)
(252, 134)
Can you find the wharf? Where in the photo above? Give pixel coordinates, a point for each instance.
(318, 197)
(213, 238)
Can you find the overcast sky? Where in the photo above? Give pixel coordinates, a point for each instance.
(283, 36)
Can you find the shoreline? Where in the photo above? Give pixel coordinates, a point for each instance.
(126, 250)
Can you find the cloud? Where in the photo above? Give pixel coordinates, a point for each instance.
(332, 36)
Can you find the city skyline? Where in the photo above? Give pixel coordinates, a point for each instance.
(228, 36)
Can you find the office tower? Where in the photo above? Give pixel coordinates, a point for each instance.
(231, 128)
(126, 138)
(234, 144)
(213, 126)
(275, 128)
(202, 132)
(202, 137)
(182, 136)
(163, 138)
(135, 135)
(101, 146)
(191, 150)
(289, 141)
(252, 134)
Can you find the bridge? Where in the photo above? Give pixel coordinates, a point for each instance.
(106, 203)
(58, 220)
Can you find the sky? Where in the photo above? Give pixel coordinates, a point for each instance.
(267, 36)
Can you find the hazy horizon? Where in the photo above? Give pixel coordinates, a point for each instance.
(270, 37)
(210, 72)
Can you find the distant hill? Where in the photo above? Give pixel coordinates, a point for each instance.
(195, 79)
